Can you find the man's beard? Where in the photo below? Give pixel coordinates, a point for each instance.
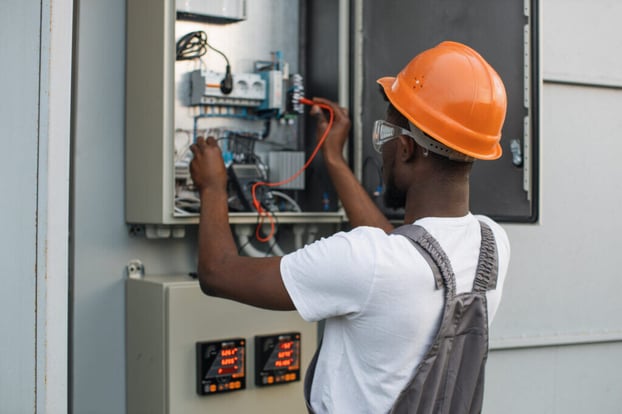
(393, 197)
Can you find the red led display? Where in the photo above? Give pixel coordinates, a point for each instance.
(228, 361)
(228, 352)
(230, 370)
(285, 354)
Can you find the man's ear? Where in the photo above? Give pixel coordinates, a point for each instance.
(406, 148)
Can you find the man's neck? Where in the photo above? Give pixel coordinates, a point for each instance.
(437, 198)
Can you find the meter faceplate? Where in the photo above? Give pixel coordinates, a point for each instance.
(277, 359)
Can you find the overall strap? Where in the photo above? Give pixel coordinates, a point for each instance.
(450, 377)
(308, 382)
(488, 264)
(433, 253)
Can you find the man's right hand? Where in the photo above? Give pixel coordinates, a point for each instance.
(207, 167)
(338, 135)
(359, 207)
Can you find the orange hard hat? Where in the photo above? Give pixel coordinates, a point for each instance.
(452, 94)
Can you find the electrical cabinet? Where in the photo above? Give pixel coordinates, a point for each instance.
(189, 353)
(178, 62)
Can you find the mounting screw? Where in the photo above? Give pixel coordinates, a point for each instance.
(135, 269)
(517, 154)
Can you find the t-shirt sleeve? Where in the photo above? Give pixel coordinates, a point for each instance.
(333, 276)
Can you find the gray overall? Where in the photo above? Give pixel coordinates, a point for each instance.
(450, 377)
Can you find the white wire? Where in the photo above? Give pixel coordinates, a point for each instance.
(182, 212)
(184, 148)
(289, 199)
(243, 233)
(275, 248)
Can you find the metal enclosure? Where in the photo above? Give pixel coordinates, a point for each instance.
(167, 316)
(159, 107)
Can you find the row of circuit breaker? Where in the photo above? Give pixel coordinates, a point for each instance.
(221, 365)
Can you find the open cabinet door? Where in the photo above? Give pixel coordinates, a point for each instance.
(504, 33)
(386, 35)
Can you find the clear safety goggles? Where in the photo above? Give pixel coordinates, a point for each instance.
(385, 131)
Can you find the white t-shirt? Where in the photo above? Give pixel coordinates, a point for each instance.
(378, 297)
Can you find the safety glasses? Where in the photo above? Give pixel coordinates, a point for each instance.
(385, 131)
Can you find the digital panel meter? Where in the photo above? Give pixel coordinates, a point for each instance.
(221, 366)
(277, 359)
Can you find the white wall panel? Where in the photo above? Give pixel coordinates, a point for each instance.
(581, 41)
(555, 380)
(562, 272)
(563, 281)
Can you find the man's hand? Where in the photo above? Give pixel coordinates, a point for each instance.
(336, 140)
(360, 208)
(207, 167)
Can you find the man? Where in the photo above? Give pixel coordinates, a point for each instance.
(377, 291)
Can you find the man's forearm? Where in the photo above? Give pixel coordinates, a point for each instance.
(224, 273)
(359, 207)
(216, 244)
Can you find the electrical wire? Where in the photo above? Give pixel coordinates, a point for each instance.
(217, 51)
(274, 224)
(260, 210)
(192, 45)
(287, 198)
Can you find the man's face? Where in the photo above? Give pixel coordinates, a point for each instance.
(393, 196)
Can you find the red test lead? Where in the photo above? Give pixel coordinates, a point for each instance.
(257, 204)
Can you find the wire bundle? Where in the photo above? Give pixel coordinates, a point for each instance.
(192, 46)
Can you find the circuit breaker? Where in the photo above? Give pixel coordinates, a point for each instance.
(189, 353)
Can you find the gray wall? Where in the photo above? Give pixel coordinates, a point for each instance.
(101, 243)
(19, 123)
(35, 112)
(563, 282)
(559, 328)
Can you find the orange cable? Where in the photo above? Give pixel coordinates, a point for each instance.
(263, 213)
